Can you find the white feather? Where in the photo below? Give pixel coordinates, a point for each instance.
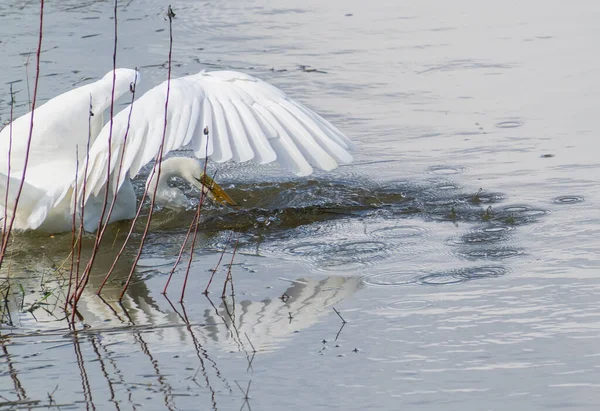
(246, 118)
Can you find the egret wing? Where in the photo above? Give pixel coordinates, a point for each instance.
(223, 114)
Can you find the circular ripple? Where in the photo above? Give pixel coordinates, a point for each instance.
(438, 278)
(446, 170)
(391, 279)
(351, 255)
(497, 229)
(568, 199)
(441, 279)
(509, 124)
(493, 254)
(478, 237)
(397, 232)
(356, 248)
(462, 275)
(307, 249)
(406, 305)
(523, 210)
(448, 187)
(519, 214)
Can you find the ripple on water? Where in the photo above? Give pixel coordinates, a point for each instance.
(478, 237)
(352, 255)
(307, 248)
(405, 305)
(509, 124)
(340, 255)
(398, 232)
(517, 214)
(446, 170)
(485, 253)
(568, 199)
(497, 229)
(449, 277)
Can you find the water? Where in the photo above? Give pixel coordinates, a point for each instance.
(450, 303)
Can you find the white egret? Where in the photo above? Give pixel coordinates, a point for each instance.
(246, 119)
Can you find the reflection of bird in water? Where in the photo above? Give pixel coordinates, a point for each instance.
(224, 115)
(268, 322)
(41, 265)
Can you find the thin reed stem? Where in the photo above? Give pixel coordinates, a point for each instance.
(158, 159)
(28, 147)
(114, 201)
(10, 140)
(101, 222)
(81, 206)
(214, 270)
(74, 221)
(229, 277)
(196, 222)
(181, 249)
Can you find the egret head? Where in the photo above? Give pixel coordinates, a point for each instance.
(125, 79)
(190, 170)
(203, 182)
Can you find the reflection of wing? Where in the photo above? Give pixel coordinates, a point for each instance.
(247, 119)
(267, 322)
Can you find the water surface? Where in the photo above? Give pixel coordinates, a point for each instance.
(461, 246)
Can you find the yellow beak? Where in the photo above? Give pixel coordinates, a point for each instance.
(215, 192)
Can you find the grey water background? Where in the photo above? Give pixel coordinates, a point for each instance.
(455, 298)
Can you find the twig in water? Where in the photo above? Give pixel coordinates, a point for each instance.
(250, 360)
(73, 231)
(74, 298)
(229, 277)
(214, 270)
(196, 221)
(340, 331)
(51, 396)
(246, 397)
(339, 315)
(251, 345)
(185, 240)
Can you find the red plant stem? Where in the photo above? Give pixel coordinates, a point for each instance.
(217, 266)
(187, 236)
(120, 170)
(110, 134)
(158, 160)
(114, 201)
(83, 190)
(26, 162)
(73, 298)
(114, 264)
(73, 231)
(10, 135)
(195, 224)
(82, 208)
(229, 275)
(99, 232)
